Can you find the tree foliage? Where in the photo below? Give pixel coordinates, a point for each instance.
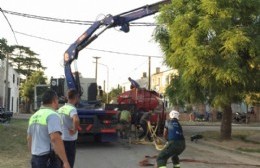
(23, 60)
(114, 93)
(4, 48)
(26, 63)
(27, 88)
(214, 44)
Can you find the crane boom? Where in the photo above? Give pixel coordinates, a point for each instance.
(122, 20)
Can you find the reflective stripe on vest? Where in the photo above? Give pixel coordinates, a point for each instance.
(40, 117)
(66, 109)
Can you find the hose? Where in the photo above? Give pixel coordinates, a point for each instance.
(158, 141)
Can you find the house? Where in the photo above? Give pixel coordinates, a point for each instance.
(9, 91)
(160, 80)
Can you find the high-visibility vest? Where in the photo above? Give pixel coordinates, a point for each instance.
(66, 109)
(40, 117)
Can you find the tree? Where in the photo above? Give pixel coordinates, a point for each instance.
(25, 61)
(4, 48)
(27, 88)
(214, 44)
(114, 93)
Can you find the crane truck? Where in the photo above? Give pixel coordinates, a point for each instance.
(100, 122)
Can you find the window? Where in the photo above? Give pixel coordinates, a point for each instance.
(12, 107)
(13, 78)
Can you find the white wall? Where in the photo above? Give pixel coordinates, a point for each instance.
(13, 85)
(2, 85)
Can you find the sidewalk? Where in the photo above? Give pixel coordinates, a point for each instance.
(216, 123)
(21, 116)
(249, 147)
(245, 144)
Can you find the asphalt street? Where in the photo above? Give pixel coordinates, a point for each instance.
(121, 154)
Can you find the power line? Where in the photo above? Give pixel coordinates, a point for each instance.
(133, 70)
(9, 25)
(69, 21)
(100, 50)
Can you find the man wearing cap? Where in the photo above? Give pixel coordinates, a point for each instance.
(44, 135)
(176, 143)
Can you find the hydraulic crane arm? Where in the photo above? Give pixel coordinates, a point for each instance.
(109, 21)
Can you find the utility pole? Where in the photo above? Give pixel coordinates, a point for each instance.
(6, 82)
(96, 74)
(149, 73)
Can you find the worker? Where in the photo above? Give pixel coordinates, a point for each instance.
(70, 120)
(100, 92)
(44, 135)
(176, 143)
(134, 84)
(146, 117)
(125, 123)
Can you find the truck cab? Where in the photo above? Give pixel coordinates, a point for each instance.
(95, 121)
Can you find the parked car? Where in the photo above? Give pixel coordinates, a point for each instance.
(240, 118)
(5, 116)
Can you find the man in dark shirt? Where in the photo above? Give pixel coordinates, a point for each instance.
(176, 143)
(146, 117)
(134, 84)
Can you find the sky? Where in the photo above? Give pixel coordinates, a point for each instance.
(114, 68)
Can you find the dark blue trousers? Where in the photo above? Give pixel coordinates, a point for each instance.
(45, 161)
(70, 148)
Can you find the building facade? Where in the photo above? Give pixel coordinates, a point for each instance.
(9, 91)
(160, 80)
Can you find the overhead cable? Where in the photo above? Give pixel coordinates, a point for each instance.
(107, 51)
(9, 25)
(69, 21)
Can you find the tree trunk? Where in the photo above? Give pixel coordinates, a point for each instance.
(226, 129)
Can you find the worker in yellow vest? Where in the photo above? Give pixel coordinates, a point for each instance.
(44, 135)
(70, 120)
(125, 124)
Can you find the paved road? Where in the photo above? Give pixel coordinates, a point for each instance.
(196, 155)
(121, 155)
(199, 155)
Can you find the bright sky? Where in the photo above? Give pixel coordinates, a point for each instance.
(138, 41)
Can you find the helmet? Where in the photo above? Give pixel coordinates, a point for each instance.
(174, 114)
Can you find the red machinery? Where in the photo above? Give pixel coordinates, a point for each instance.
(143, 101)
